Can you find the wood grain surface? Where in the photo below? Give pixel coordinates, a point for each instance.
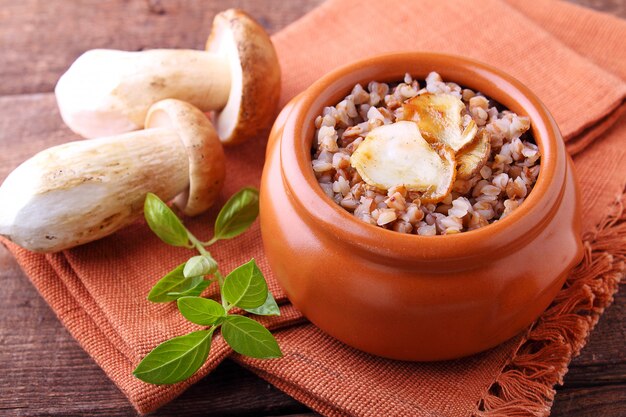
(44, 370)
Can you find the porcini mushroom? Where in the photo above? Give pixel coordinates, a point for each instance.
(81, 191)
(396, 154)
(108, 92)
(473, 157)
(439, 118)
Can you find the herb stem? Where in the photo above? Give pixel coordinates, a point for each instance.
(198, 245)
(211, 241)
(220, 280)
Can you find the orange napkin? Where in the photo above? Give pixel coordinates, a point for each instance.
(572, 58)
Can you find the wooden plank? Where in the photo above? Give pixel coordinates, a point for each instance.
(603, 360)
(606, 401)
(28, 124)
(39, 39)
(614, 7)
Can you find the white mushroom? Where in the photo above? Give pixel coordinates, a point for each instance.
(81, 191)
(397, 155)
(108, 92)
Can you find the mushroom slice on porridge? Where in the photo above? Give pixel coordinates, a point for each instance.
(397, 155)
(473, 157)
(440, 119)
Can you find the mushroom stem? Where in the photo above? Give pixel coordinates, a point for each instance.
(106, 92)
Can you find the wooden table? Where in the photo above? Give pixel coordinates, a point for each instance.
(44, 371)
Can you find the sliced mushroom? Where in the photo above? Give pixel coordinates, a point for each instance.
(108, 92)
(81, 191)
(439, 117)
(473, 157)
(397, 154)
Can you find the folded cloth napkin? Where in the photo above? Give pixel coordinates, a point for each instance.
(572, 58)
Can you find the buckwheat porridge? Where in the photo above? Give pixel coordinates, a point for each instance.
(424, 159)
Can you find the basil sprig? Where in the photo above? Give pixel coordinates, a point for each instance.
(244, 287)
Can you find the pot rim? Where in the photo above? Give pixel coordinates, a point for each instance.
(504, 235)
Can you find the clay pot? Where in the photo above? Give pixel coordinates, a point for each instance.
(415, 297)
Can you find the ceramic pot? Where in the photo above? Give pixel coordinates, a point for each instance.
(413, 297)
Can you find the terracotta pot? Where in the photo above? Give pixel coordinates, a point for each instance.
(406, 296)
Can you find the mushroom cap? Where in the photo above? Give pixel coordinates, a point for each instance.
(255, 75)
(207, 165)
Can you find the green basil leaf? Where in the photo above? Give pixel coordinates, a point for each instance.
(173, 283)
(199, 265)
(195, 291)
(163, 222)
(238, 214)
(250, 338)
(269, 307)
(176, 359)
(200, 310)
(245, 286)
